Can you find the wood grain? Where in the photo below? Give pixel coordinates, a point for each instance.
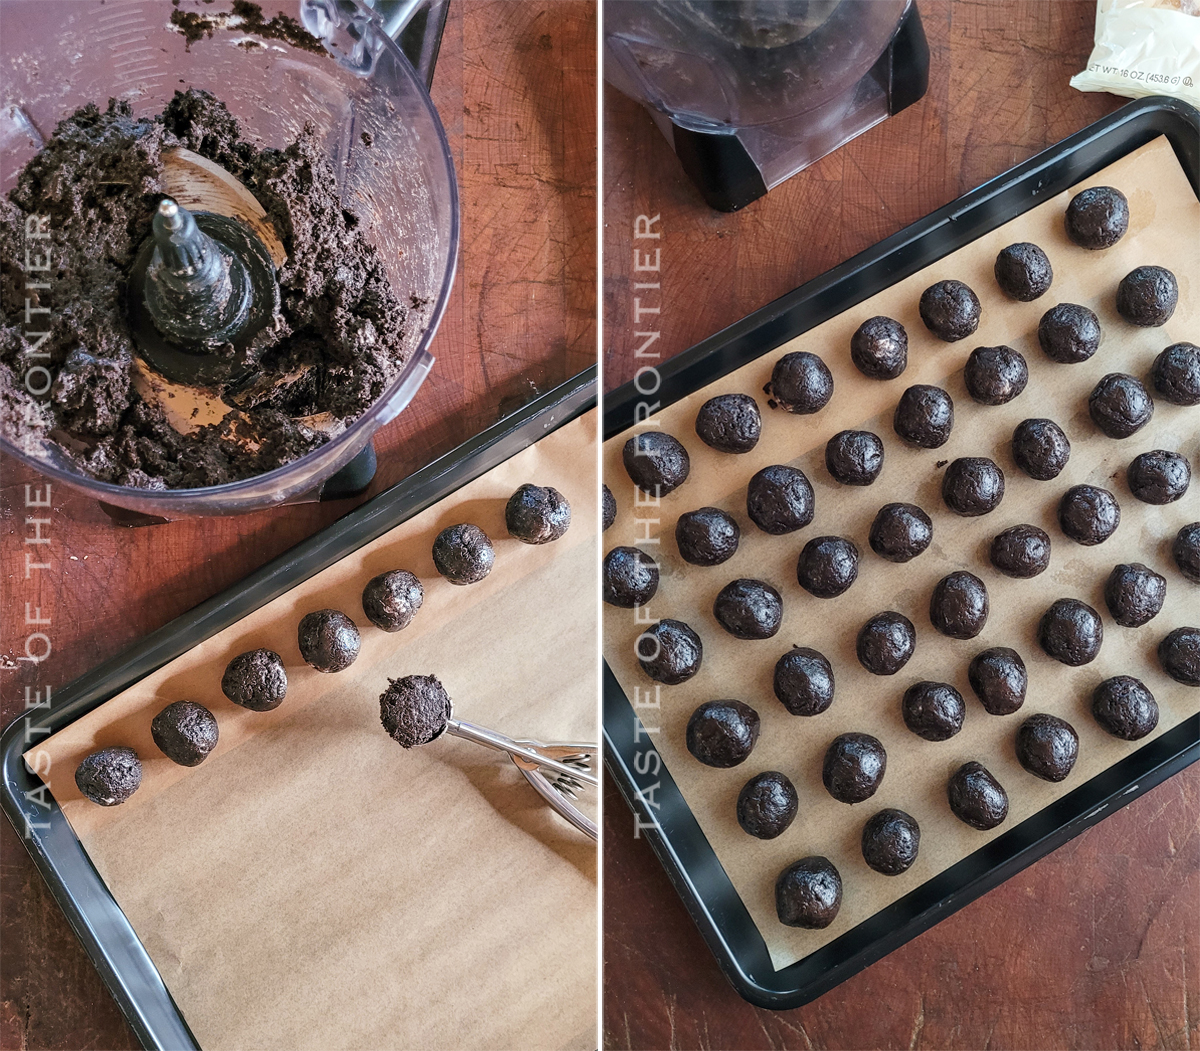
(515, 86)
(1095, 946)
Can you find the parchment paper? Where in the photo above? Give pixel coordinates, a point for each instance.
(312, 884)
(1165, 230)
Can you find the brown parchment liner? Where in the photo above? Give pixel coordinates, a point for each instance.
(1165, 230)
(312, 884)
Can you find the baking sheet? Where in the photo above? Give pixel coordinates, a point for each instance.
(1164, 229)
(313, 885)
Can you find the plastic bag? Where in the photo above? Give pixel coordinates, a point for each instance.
(1145, 47)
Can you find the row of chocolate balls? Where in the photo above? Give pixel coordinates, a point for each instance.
(186, 732)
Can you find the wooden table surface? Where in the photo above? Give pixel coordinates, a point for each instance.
(1098, 944)
(515, 86)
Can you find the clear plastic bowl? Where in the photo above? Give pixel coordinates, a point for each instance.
(58, 55)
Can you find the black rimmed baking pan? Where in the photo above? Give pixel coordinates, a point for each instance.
(643, 778)
(90, 908)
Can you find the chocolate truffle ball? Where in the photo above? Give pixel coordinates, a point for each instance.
(767, 805)
(1147, 296)
(1179, 655)
(808, 893)
(900, 532)
(110, 776)
(828, 565)
(630, 577)
(854, 457)
(1021, 551)
(779, 499)
(656, 462)
(801, 383)
(924, 416)
(1134, 594)
(1176, 374)
(1070, 631)
(976, 797)
(1047, 746)
(999, 679)
(885, 643)
(804, 681)
(950, 310)
(414, 710)
(608, 506)
(1069, 333)
(722, 733)
(255, 680)
(670, 652)
(707, 537)
(185, 732)
(748, 609)
(537, 514)
(1040, 448)
(1097, 217)
(958, 606)
(1023, 272)
(1088, 514)
(890, 841)
(1185, 550)
(1125, 708)
(729, 423)
(1159, 477)
(1119, 405)
(973, 486)
(392, 599)
(879, 348)
(933, 710)
(328, 640)
(995, 375)
(463, 554)
(854, 766)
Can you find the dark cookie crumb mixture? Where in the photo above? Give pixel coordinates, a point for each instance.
(722, 733)
(999, 679)
(1097, 217)
(707, 536)
(630, 577)
(1088, 514)
(1176, 374)
(808, 893)
(670, 652)
(1023, 272)
(924, 416)
(1069, 333)
(391, 600)
(1071, 632)
(900, 532)
(973, 486)
(463, 554)
(656, 462)
(608, 506)
(958, 607)
(803, 681)
(537, 514)
(749, 609)
(1147, 296)
(827, 566)
(1021, 551)
(933, 710)
(99, 180)
(1185, 550)
(1047, 747)
(879, 348)
(801, 383)
(779, 499)
(1134, 594)
(255, 680)
(414, 710)
(853, 767)
(110, 776)
(1120, 405)
(950, 310)
(1125, 708)
(328, 640)
(995, 375)
(885, 643)
(976, 797)
(890, 841)
(185, 732)
(1040, 448)
(729, 423)
(767, 805)
(854, 457)
(1159, 476)
(1179, 655)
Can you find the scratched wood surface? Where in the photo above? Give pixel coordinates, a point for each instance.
(1095, 946)
(515, 86)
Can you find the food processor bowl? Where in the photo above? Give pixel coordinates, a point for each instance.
(369, 108)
